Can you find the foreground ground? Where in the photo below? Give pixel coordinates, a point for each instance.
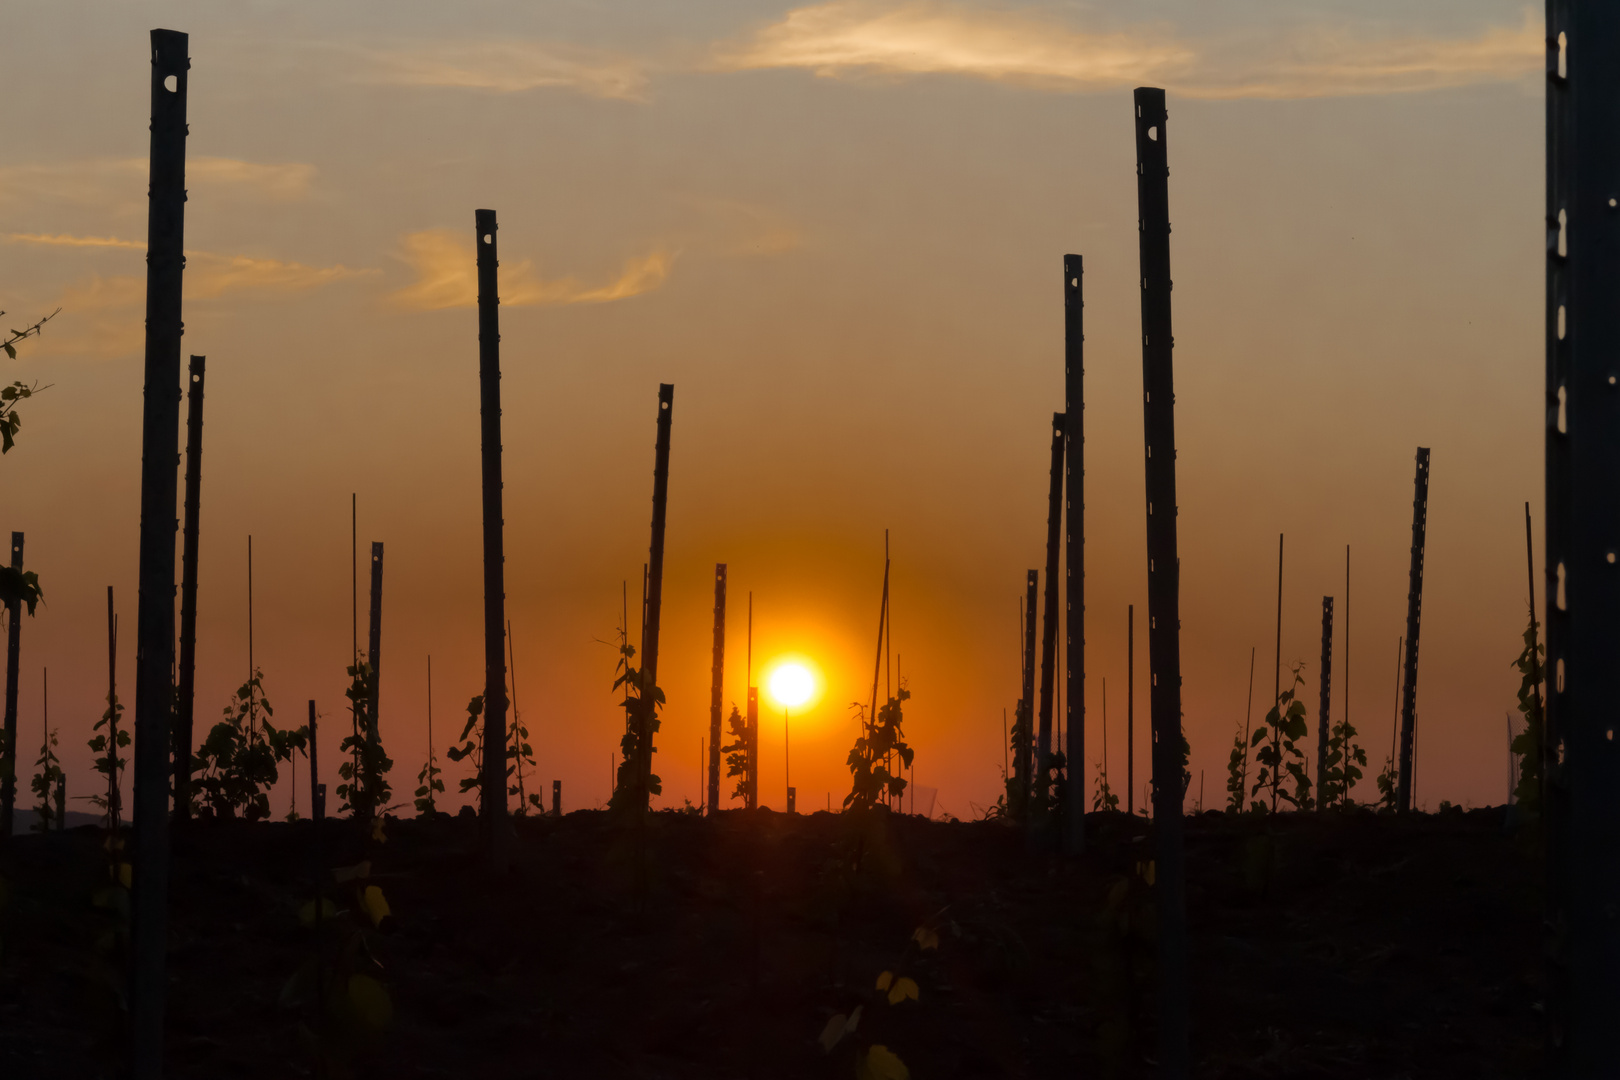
(1343, 946)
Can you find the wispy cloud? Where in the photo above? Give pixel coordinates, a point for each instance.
(103, 312)
(447, 277)
(846, 38)
(507, 67)
(119, 184)
(63, 240)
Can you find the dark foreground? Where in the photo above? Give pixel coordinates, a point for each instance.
(1351, 946)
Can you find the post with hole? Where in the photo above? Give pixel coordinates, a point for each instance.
(1164, 617)
(1322, 729)
(497, 826)
(1582, 536)
(8, 748)
(154, 637)
(1074, 550)
(1049, 623)
(717, 687)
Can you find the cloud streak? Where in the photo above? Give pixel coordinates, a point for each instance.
(849, 38)
(507, 67)
(120, 183)
(105, 310)
(447, 277)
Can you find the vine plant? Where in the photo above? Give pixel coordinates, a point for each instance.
(18, 391)
(471, 745)
(365, 790)
(108, 762)
(739, 752)
(48, 783)
(1278, 737)
(1345, 761)
(641, 704)
(1527, 744)
(872, 783)
(237, 761)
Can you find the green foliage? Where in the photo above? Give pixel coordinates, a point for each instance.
(519, 753)
(1017, 791)
(1278, 736)
(471, 745)
(1237, 773)
(634, 786)
(108, 762)
(872, 783)
(1387, 792)
(1345, 761)
(365, 790)
(429, 785)
(19, 588)
(1527, 744)
(1104, 799)
(739, 752)
(10, 421)
(47, 783)
(842, 1037)
(237, 761)
(340, 989)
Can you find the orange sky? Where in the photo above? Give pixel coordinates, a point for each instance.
(838, 230)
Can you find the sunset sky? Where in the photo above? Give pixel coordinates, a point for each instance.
(837, 228)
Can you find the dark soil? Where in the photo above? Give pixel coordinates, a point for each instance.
(1339, 946)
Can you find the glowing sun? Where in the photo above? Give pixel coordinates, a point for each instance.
(792, 685)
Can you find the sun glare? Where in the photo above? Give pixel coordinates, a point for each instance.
(792, 685)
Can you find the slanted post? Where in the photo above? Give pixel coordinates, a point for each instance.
(1074, 550)
(493, 801)
(1049, 622)
(374, 652)
(1322, 726)
(1414, 614)
(1582, 586)
(160, 451)
(717, 687)
(184, 699)
(8, 751)
(556, 798)
(655, 596)
(1164, 616)
(1026, 712)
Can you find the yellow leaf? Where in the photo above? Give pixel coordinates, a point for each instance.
(833, 1032)
(377, 830)
(903, 988)
(370, 1002)
(125, 875)
(306, 914)
(879, 1063)
(1147, 871)
(925, 938)
(884, 980)
(360, 869)
(375, 904)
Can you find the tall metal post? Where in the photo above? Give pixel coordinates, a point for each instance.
(188, 591)
(317, 791)
(1130, 708)
(751, 799)
(374, 652)
(1074, 550)
(717, 688)
(1164, 617)
(8, 762)
(1582, 793)
(1414, 615)
(493, 802)
(1049, 622)
(655, 591)
(160, 451)
(1322, 727)
(1026, 718)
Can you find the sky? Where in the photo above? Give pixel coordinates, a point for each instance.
(838, 229)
